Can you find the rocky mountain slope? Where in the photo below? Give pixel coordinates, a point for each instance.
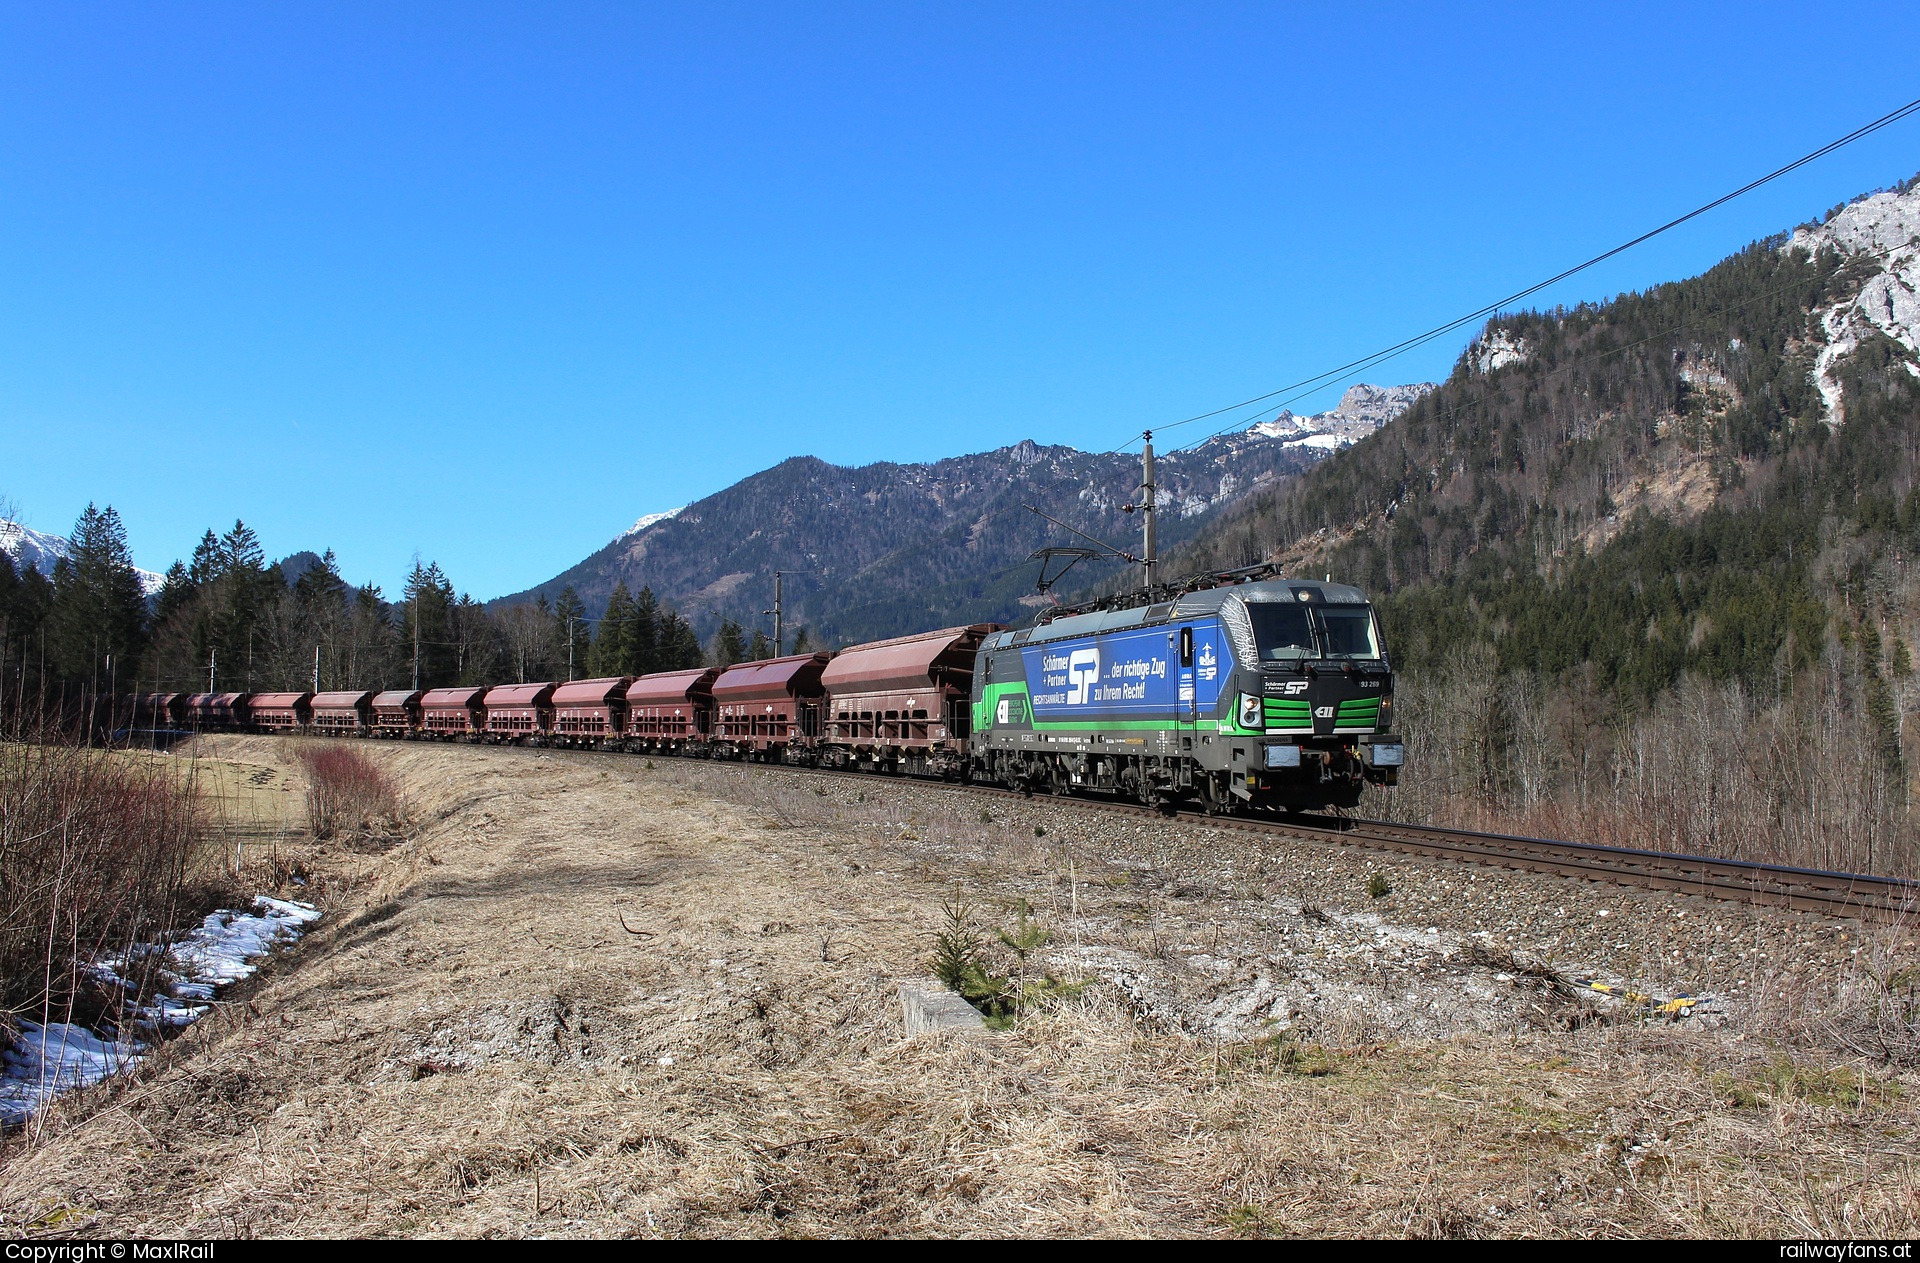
(1697, 478)
(887, 548)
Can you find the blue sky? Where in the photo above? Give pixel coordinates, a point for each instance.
(486, 282)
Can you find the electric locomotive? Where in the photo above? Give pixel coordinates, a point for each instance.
(1265, 693)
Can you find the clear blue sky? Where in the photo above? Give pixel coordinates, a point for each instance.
(487, 282)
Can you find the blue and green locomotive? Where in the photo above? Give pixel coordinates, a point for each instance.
(1274, 693)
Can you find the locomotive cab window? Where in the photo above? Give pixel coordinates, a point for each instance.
(1281, 630)
(1349, 631)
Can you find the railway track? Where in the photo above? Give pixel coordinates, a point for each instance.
(1852, 895)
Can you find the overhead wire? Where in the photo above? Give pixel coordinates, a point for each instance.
(1320, 381)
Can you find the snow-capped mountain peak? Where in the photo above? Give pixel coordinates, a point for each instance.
(28, 547)
(648, 519)
(1361, 411)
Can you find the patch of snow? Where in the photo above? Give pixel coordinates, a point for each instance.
(1330, 442)
(1887, 226)
(222, 949)
(58, 1057)
(648, 519)
(28, 547)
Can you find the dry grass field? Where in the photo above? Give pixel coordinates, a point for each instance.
(588, 997)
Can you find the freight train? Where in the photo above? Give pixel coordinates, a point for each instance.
(1241, 690)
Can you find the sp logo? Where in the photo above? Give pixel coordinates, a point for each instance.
(1083, 668)
(1323, 712)
(1296, 687)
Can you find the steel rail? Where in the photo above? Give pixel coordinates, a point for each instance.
(1851, 895)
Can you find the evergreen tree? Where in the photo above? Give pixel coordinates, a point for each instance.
(800, 642)
(575, 633)
(679, 647)
(425, 628)
(99, 610)
(761, 648)
(176, 589)
(646, 651)
(321, 587)
(613, 645)
(729, 644)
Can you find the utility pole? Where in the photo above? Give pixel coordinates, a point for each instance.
(1149, 552)
(213, 659)
(777, 625)
(570, 623)
(316, 668)
(416, 636)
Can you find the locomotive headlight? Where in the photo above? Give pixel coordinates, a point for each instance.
(1386, 714)
(1251, 711)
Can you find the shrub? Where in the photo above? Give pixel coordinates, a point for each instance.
(1378, 886)
(94, 854)
(348, 793)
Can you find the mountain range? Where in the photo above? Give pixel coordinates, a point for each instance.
(885, 549)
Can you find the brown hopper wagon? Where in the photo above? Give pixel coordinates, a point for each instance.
(519, 712)
(591, 712)
(396, 713)
(453, 714)
(161, 710)
(211, 712)
(671, 710)
(902, 704)
(764, 710)
(281, 712)
(343, 714)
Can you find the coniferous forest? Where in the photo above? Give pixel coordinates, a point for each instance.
(228, 619)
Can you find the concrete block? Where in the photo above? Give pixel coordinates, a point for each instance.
(931, 1009)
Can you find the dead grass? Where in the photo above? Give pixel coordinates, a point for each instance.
(587, 999)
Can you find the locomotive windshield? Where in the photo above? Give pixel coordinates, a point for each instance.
(1349, 631)
(1281, 630)
(1286, 632)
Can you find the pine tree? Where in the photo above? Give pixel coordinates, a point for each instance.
(679, 647)
(425, 629)
(99, 610)
(761, 648)
(613, 645)
(729, 644)
(569, 617)
(646, 651)
(800, 642)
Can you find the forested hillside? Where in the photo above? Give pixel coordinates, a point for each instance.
(886, 549)
(1630, 557)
